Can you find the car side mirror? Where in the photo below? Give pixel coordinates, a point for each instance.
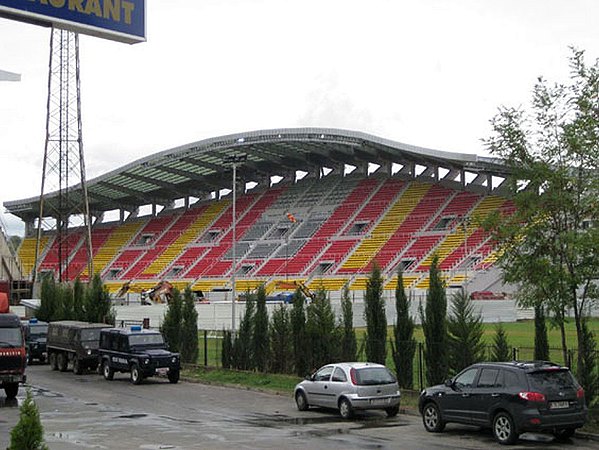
(449, 383)
(309, 377)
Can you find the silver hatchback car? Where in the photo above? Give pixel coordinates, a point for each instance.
(349, 387)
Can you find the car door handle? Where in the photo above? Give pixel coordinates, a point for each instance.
(494, 395)
(325, 386)
(465, 395)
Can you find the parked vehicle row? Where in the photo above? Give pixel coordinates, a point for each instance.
(91, 346)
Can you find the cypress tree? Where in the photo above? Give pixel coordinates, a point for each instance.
(227, 350)
(28, 433)
(320, 330)
(67, 303)
(587, 374)
(376, 320)
(434, 326)
(48, 303)
(404, 347)
(349, 345)
(260, 340)
(98, 307)
(541, 341)
(501, 348)
(189, 329)
(465, 333)
(300, 348)
(78, 300)
(280, 342)
(242, 350)
(171, 324)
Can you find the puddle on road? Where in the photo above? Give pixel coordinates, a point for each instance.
(360, 423)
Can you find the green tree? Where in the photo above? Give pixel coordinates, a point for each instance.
(501, 347)
(301, 352)
(67, 301)
(189, 329)
(403, 346)
(227, 350)
(98, 307)
(280, 340)
(78, 300)
(260, 338)
(173, 319)
(541, 340)
(587, 373)
(549, 244)
(465, 330)
(49, 300)
(349, 345)
(242, 344)
(434, 326)
(321, 330)
(376, 320)
(28, 433)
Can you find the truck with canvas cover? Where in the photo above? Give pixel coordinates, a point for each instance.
(73, 342)
(13, 355)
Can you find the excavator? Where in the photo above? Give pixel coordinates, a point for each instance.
(162, 292)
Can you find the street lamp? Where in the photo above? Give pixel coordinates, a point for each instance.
(234, 160)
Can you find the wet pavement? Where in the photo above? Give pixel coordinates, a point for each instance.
(86, 411)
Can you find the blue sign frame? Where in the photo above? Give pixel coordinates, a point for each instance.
(117, 20)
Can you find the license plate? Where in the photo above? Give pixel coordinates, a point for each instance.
(559, 405)
(379, 401)
(162, 370)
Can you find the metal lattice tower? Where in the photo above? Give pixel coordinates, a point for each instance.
(67, 210)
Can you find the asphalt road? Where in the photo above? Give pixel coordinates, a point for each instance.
(86, 411)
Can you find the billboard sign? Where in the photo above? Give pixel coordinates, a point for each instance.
(117, 20)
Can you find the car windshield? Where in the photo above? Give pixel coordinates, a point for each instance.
(374, 375)
(38, 330)
(91, 334)
(146, 339)
(552, 379)
(11, 337)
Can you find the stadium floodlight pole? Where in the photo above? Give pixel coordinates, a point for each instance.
(234, 160)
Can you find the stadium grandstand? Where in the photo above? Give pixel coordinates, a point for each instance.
(316, 206)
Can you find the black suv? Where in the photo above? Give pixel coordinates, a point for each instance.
(511, 398)
(36, 333)
(141, 352)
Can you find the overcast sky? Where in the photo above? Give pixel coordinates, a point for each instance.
(429, 73)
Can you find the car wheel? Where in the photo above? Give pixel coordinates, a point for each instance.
(564, 434)
(77, 367)
(52, 361)
(301, 401)
(136, 375)
(431, 418)
(504, 430)
(392, 412)
(345, 409)
(173, 376)
(11, 390)
(62, 362)
(107, 371)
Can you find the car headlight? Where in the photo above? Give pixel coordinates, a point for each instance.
(89, 352)
(146, 361)
(174, 359)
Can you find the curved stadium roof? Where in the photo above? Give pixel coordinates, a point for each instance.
(202, 167)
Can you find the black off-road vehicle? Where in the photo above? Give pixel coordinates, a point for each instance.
(73, 342)
(36, 333)
(143, 353)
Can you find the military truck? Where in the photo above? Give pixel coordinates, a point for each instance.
(143, 353)
(13, 355)
(73, 342)
(36, 332)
